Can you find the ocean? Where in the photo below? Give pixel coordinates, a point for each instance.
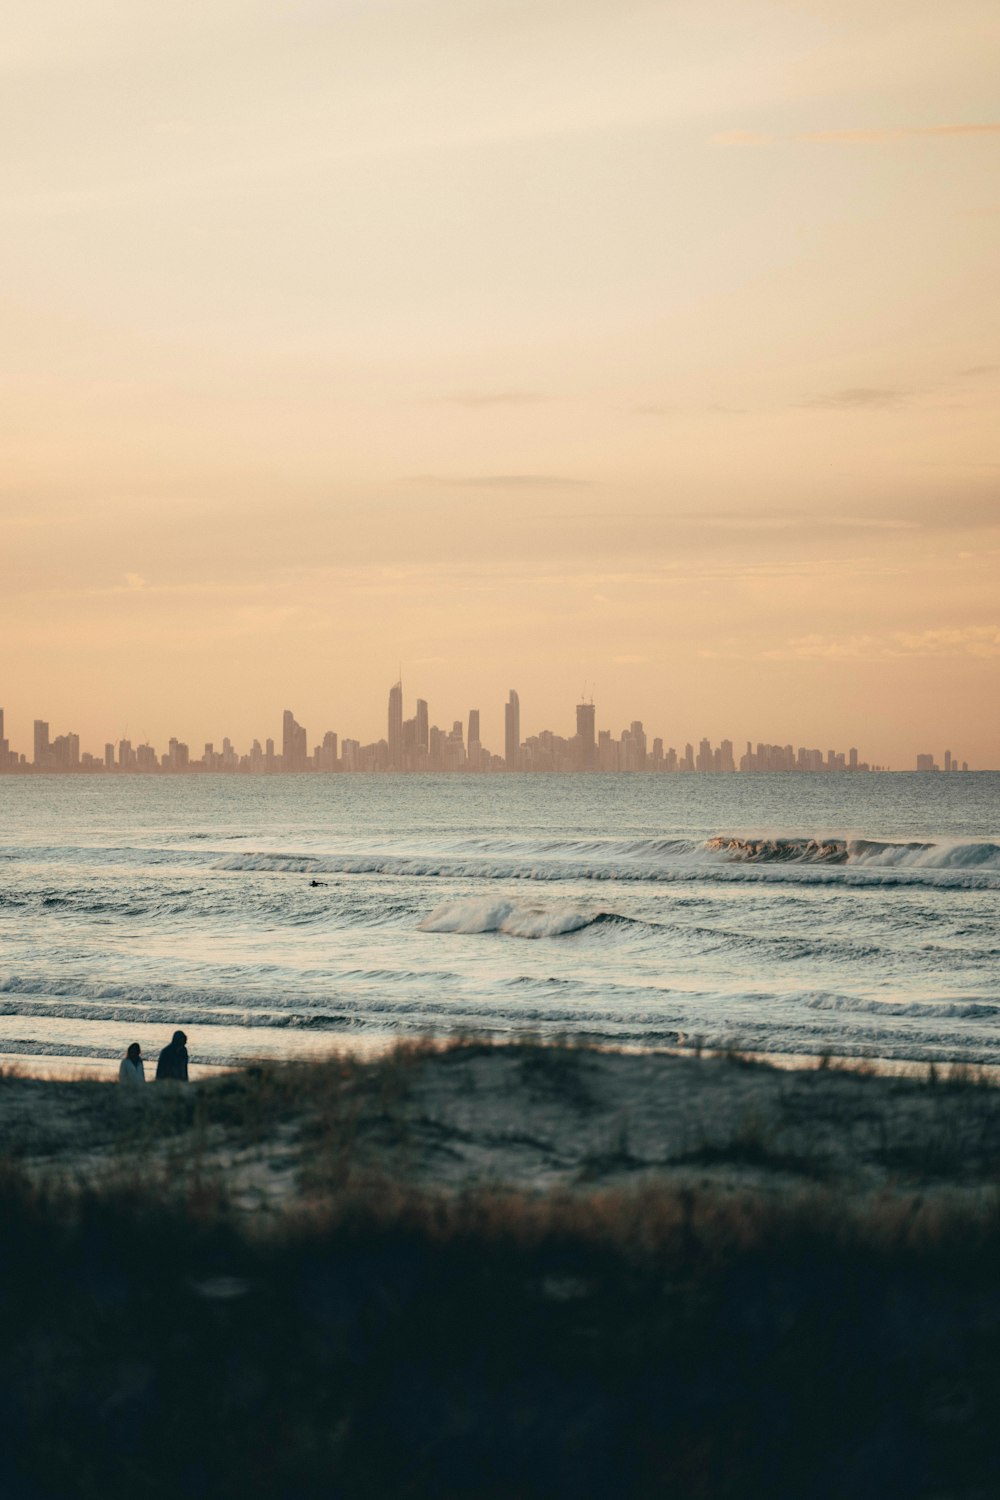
(279, 916)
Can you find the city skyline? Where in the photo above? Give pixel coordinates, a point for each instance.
(414, 745)
(647, 345)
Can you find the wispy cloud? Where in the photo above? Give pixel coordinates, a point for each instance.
(855, 136)
(970, 640)
(896, 133)
(780, 520)
(501, 481)
(741, 138)
(859, 398)
(476, 399)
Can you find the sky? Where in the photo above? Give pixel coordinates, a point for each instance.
(646, 349)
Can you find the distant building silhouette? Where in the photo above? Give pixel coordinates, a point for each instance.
(294, 751)
(395, 737)
(512, 732)
(585, 737)
(41, 743)
(418, 745)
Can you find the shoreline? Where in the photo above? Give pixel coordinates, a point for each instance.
(56, 1067)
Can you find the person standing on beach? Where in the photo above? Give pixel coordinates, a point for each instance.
(130, 1069)
(173, 1060)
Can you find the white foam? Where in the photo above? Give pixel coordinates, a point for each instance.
(472, 916)
(970, 871)
(969, 1010)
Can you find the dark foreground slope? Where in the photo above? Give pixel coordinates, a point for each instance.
(793, 1332)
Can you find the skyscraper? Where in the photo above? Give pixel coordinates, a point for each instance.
(586, 744)
(395, 736)
(41, 742)
(293, 743)
(422, 726)
(512, 732)
(473, 750)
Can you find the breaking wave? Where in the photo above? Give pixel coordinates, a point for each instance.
(956, 864)
(870, 853)
(969, 1010)
(506, 917)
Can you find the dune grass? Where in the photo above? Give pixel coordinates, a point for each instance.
(372, 1340)
(636, 1342)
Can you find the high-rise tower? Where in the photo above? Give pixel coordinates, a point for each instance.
(396, 726)
(512, 732)
(294, 751)
(586, 743)
(41, 742)
(473, 749)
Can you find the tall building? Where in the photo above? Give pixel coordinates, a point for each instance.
(423, 726)
(473, 749)
(395, 737)
(41, 742)
(66, 752)
(512, 732)
(586, 740)
(294, 749)
(327, 754)
(637, 746)
(178, 755)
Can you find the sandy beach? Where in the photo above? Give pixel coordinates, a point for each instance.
(527, 1118)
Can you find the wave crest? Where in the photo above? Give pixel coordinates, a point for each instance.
(876, 853)
(470, 916)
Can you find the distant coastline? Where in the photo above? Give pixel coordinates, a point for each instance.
(415, 745)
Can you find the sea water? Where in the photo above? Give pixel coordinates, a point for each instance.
(282, 915)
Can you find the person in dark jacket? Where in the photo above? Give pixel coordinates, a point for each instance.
(173, 1060)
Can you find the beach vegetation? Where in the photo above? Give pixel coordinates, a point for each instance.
(328, 1278)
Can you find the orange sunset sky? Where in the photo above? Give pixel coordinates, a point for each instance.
(647, 347)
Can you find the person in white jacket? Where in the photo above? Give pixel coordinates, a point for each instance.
(131, 1070)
